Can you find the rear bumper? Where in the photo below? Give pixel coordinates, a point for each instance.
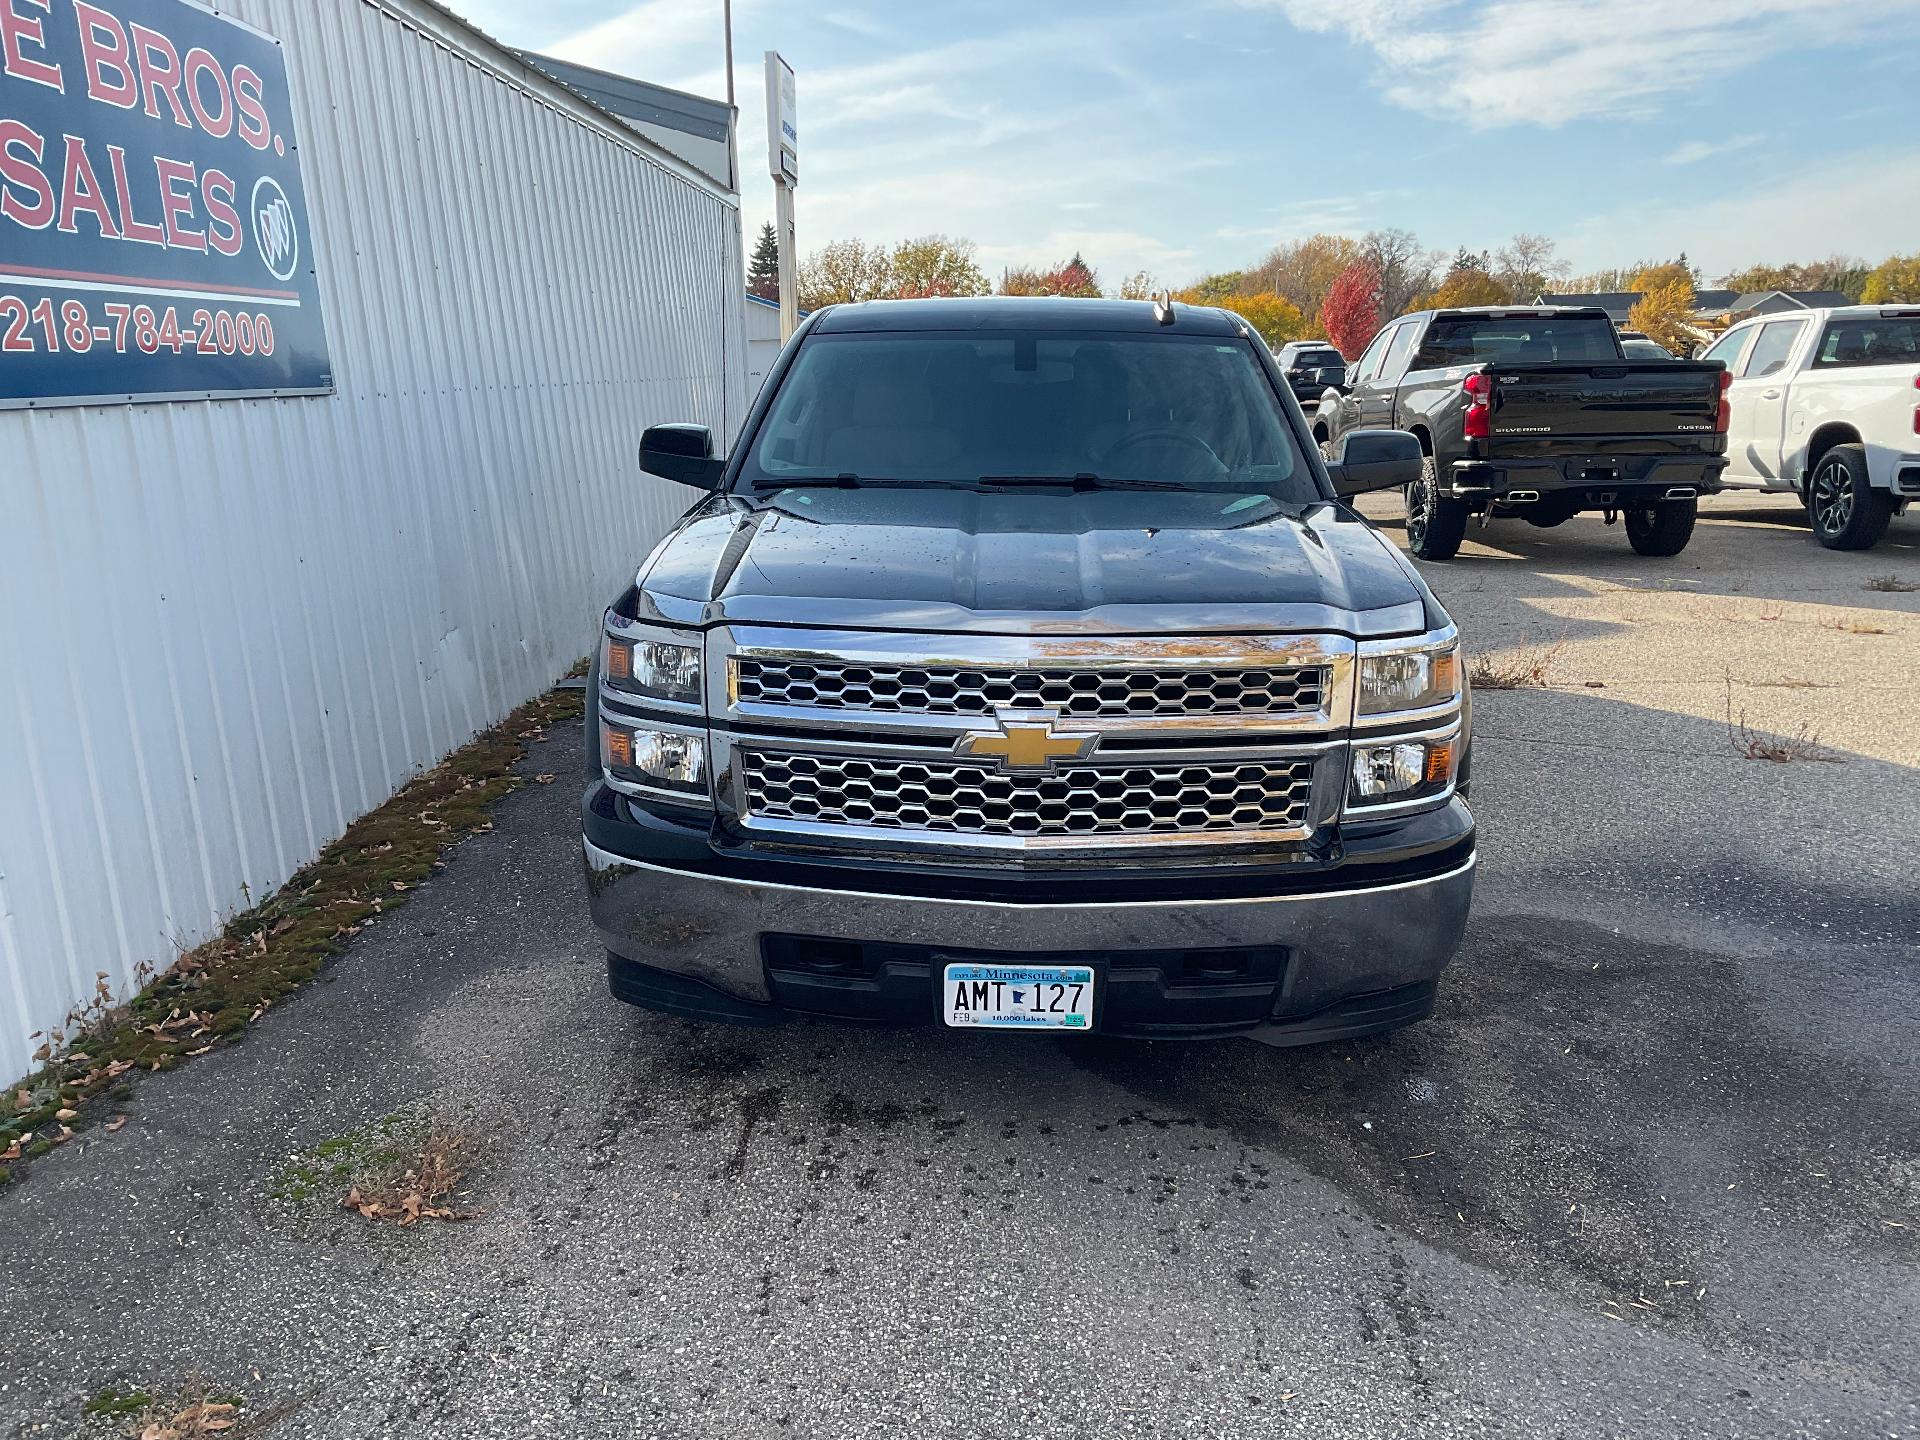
(1286, 968)
(1596, 481)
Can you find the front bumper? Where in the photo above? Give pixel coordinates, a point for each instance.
(1286, 967)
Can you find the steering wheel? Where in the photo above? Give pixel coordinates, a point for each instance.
(1167, 435)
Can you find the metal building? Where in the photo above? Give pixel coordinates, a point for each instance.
(228, 627)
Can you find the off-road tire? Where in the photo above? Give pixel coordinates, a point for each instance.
(1436, 523)
(1846, 511)
(1663, 529)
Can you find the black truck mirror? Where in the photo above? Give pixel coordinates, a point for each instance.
(1374, 460)
(683, 454)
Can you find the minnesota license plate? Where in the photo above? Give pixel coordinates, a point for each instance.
(1018, 997)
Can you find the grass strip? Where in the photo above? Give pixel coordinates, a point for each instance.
(213, 993)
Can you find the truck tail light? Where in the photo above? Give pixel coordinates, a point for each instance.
(1723, 421)
(1916, 408)
(1477, 423)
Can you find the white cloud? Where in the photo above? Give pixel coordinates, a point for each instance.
(1694, 151)
(1545, 62)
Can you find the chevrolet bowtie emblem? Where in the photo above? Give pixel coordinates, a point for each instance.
(1026, 740)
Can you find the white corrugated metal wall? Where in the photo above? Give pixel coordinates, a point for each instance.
(229, 628)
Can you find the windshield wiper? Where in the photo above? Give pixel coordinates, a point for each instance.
(1084, 480)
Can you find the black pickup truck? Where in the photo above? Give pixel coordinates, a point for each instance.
(1536, 412)
(1024, 669)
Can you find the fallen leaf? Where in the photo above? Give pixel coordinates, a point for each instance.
(116, 1122)
(544, 779)
(12, 1152)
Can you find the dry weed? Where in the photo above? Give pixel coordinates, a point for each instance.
(421, 1185)
(1518, 670)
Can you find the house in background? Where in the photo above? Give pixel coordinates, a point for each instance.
(763, 339)
(1764, 302)
(1615, 302)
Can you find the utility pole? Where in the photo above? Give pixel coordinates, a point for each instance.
(783, 161)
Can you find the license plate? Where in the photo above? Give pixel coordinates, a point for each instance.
(1018, 997)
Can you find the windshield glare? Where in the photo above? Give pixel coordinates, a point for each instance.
(954, 408)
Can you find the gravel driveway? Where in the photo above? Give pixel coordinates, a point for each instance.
(1653, 1170)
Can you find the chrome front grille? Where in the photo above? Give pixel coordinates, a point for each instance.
(984, 690)
(1083, 802)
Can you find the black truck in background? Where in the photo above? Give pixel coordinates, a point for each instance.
(1535, 412)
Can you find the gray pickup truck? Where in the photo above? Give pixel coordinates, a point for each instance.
(1024, 669)
(1536, 412)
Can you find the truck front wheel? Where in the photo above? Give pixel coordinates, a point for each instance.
(1436, 523)
(1847, 512)
(1664, 529)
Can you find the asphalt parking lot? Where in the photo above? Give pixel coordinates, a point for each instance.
(1653, 1169)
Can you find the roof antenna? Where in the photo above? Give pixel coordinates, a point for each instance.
(1163, 307)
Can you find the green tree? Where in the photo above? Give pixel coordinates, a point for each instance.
(935, 265)
(763, 272)
(1895, 280)
(1138, 286)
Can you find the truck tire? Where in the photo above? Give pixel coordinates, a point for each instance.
(1847, 512)
(1436, 523)
(1664, 529)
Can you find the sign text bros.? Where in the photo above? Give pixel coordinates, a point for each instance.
(153, 228)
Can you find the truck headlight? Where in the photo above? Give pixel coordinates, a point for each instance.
(637, 753)
(1401, 676)
(663, 669)
(1403, 769)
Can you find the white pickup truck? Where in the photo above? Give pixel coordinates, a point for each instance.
(1826, 403)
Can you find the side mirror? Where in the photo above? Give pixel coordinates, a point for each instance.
(1374, 460)
(683, 454)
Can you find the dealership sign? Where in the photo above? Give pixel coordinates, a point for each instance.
(154, 240)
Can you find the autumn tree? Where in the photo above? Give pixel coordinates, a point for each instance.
(1528, 267)
(763, 273)
(1404, 268)
(934, 265)
(1211, 289)
(1074, 277)
(1467, 285)
(844, 272)
(1896, 280)
(1837, 272)
(1138, 286)
(1274, 317)
(1664, 311)
(1351, 315)
(1302, 271)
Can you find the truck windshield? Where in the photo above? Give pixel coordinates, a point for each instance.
(1517, 340)
(1010, 407)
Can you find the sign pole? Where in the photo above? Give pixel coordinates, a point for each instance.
(789, 286)
(783, 162)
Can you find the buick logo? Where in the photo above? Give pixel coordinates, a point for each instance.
(1025, 740)
(274, 234)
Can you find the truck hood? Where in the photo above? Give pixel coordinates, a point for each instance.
(1031, 562)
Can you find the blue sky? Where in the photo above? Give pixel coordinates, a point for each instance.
(1183, 138)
